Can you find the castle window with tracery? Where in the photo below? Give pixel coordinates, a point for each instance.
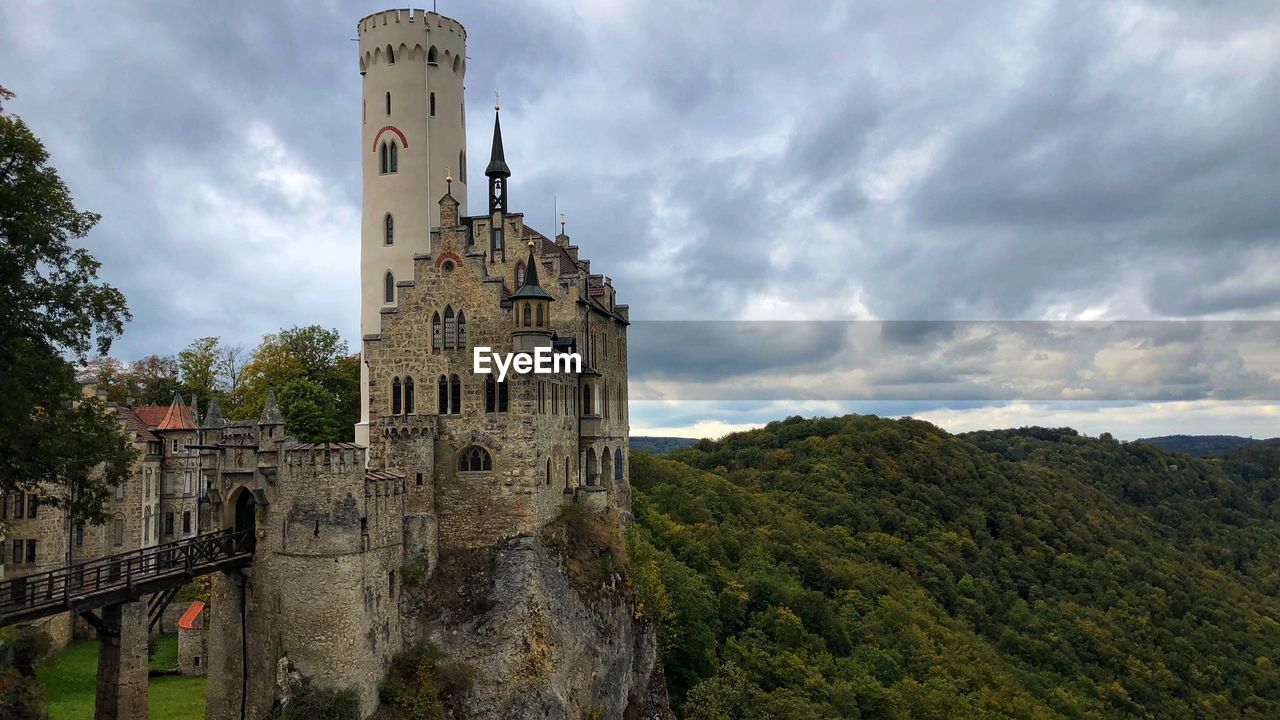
(474, 459)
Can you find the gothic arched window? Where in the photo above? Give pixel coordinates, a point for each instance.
(503, 396)
(450, 328)
(389, 288)
(519, 274)
(462, 331)
(431, 55)
(586, 400)
(435, 331)
(617, 465)
(539, 314)
(391, 55)
(442, 395)
(384, 159)
(455, 395)
(528, 314)
(474, 459)
(395, 396)
(395, 157)
(388, 230)
(408, 395)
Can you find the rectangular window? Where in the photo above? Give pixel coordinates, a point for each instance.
(17, 552)
(19, 505)
(419, 479)
(118, 534)
(79, 534)
(175, 447)
(186, 483)
(33, 502)
(120, 490)
(146, 484)
(431, 99)
(186, 523)
(168, 523)
(555, 399)
(31, 552)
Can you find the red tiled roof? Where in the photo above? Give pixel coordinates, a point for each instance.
(150, 415)
(188, 619)
(177, 417)
(567, 264)
(135, 423)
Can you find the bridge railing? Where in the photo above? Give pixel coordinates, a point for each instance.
(95, 582)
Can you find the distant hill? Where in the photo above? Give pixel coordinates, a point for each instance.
(1199, 445)
(862, 567)
(660, 445)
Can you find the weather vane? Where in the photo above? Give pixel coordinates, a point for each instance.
(497, 104)
(561, 223)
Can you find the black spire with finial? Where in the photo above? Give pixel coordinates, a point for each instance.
(531, 289)
(497, 171)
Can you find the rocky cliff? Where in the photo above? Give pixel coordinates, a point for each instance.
(539, 627)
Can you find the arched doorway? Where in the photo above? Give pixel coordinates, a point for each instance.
(246, 516)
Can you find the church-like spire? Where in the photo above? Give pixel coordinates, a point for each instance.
(497, 171)
(271, 411)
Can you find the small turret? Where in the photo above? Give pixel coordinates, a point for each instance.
(271, 411)
(213, 418)
(531, 310)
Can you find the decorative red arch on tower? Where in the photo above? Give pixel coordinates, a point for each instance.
(448, 255)
(404, 142)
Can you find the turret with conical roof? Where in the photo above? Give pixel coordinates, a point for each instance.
(531, 309)
(271, 411)
(213, 418)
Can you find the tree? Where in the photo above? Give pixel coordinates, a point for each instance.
(154, 380)
(309, 410)
(309, 353)
(52, 306)
(198, 368)
(230, 365)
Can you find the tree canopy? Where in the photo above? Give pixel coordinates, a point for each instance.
(53, 309)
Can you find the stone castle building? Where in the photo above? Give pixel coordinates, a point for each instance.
(445, 460)
(160, 501)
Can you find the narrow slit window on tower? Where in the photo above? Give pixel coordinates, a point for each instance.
(408, 395)
(462, 165)
(388, 230)
(431, 104)
(490, 394)
(388, 103)
(389, 288)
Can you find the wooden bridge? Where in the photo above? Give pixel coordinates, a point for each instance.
(157, 571)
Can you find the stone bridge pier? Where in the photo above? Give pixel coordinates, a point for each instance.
(122, 662)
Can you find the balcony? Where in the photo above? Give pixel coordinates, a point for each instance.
(590, 427)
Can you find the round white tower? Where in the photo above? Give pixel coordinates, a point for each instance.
(413, 128)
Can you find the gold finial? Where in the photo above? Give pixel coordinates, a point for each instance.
(497, 104)
(561, 223)
(530, 243)
(448, 176)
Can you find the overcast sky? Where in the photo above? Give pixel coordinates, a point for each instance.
(891, 160)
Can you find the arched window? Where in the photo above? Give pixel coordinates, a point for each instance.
(389, 288)
(519, 274)
(395, 157)
(593, 468)
(450, 329)
(431, 55)
(586, 400)
(606, 463)
(395, 396)
(490, 394)
(442, 395)
(455, 395)
(528, 315)
(391, 55)
(462, 165)
(474, 459)
(388, 103)
(388, 230)
(384, 157)
(408, 395)
(503, 396)
(435, 331)
(457, 62)
(617, 465)
(539, 314)
(462, 331)
(548, 471)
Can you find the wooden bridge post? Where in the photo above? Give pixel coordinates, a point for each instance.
(122, 663)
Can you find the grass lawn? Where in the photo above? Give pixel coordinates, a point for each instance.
(70, 678)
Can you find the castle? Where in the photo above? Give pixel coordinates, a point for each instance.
(444, 460)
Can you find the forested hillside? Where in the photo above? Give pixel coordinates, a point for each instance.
(1199, 445)
(858, 567)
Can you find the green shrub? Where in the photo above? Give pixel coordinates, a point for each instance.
(421, 686)
(309, 702)
(412, 574)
